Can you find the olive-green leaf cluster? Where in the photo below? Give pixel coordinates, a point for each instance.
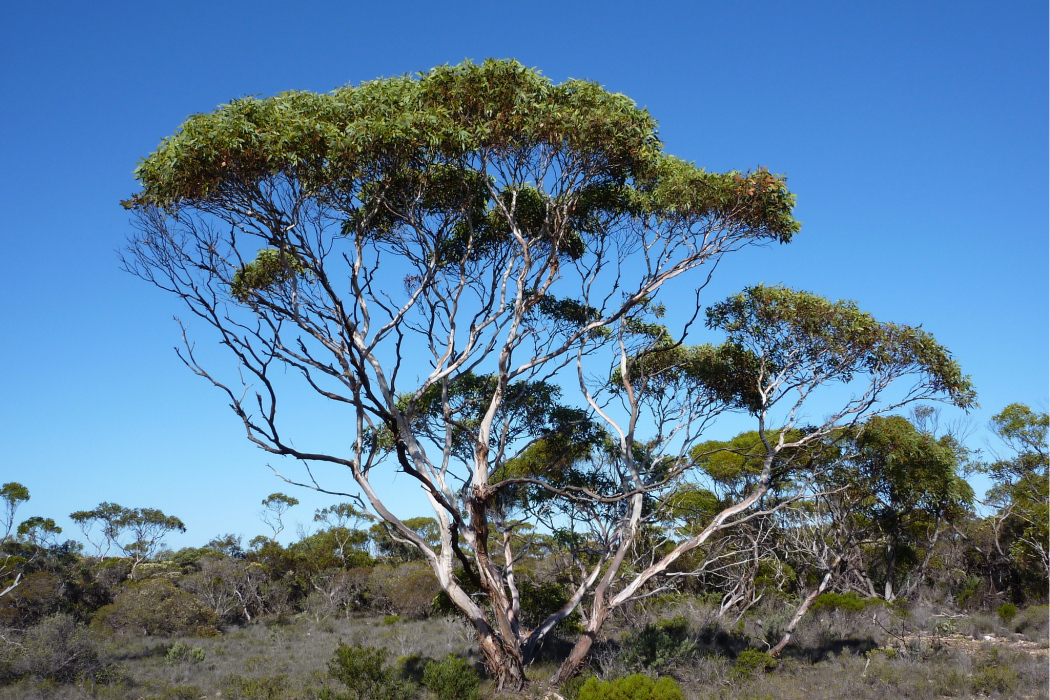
(834, 340)
(417, 141)
(269, 268)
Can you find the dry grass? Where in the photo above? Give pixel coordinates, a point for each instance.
(880, 654)
(269, 662)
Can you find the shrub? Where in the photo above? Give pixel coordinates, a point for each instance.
(847, 602)
(183, 692)
(407, 591)
(636, 687)
(992, 673)
(155, 606)
(363, 670)
(1033, 623)
(57, 649)
(259, 688)
(538, 600)
(179, 652)
(38, 595)
(411, 667)
(658, 645)
(451, 679)
(751, 660)
(1006, 612)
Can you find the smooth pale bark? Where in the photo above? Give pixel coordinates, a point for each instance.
(804, 608)
(13, 586)
(601, 609)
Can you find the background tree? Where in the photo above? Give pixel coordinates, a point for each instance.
(1021, 490)
(137, 532)
(13, 494)
(516, 233)
(910, 491)
(349, 541)
(274, 507)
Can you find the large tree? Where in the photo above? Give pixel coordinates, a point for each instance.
(467, 264)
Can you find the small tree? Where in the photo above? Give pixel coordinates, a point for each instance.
(12, 494)
(908, 488)
(137, 532)
(1021, 488)
(274, 507)
(340, 521)
(468, 262)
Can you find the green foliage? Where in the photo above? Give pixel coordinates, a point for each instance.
(847, 602)
(411, 667)
(1021, 490)
(333, 139)
(255, 688)
(539, 599)
(179, 652)
(906, 484)
(396, 552)
(1006, 612)
(993, 673)
(57, 649)
(635, 687)
(801, 335)
(39, 594)
(735, 465)
(183, 692)
(155, 606)
(723, 374)
(452, 679)
(751, 660)
(407, 590)
(658, 645)
(137, 532)
(270, 267)
(363, 672)
(12, 494)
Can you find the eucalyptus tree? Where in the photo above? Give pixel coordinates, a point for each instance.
(455, 261)
(137, 532)
(910, 491)
(274, 508)
(12, 494)
(1021, 489)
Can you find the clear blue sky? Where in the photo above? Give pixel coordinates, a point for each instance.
(914, 134)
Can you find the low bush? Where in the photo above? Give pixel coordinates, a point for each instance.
(452, 679)
(538, 600)
(1006, 612)
(751, 660)
(993, 673)
(57, 649)
(658, 645)
(38, 595)
(636, 687)
(363, 672)
(412, 667)
(156, 606)
(407, 591)
(257, 688)
(179, 652)
(183, 692)
(1034, 623)
(847, 602)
